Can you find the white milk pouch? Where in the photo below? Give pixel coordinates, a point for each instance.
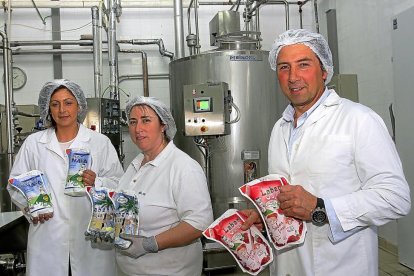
(79, 160)
(249, 248)
(102, 223)
(126, 216)
(283, 231)
(34, 187)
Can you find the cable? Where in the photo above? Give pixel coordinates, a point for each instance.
(238, 116)
(63, 31)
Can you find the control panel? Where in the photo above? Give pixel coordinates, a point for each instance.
(206, 109)
(103, 116)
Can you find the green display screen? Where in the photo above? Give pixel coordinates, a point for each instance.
(202, 105)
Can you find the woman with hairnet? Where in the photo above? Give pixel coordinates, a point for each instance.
(56, 242)
(174, 202)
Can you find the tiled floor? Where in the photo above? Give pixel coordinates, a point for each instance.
(388, 266)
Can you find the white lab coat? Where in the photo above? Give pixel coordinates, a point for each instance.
(345, 154)
(51, 243)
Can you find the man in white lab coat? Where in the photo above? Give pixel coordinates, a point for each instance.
(345, 172)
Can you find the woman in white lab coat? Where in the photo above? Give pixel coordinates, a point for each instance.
(56, 242)
(174, 202)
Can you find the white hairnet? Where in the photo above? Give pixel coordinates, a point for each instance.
(315, 41)
(159, 107)
(50, 87)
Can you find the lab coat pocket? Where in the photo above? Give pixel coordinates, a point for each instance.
(329, 155)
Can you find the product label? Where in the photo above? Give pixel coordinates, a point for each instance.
(33, 186)
(249, 247)
(263, 192)
(102, 223)
(126, 216)
(78, 162)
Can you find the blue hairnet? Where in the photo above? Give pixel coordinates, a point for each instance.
(50, 87)
(315, 41)
(159, 107)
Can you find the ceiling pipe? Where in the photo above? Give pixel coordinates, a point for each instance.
(88, 4)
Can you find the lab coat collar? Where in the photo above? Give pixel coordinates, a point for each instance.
(332, 100)
(158, 160)
(49, 137)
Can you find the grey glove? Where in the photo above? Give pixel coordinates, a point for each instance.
(139, 246)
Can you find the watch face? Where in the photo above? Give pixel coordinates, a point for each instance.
(19, 78)
(319, 216)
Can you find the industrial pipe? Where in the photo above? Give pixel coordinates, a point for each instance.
(86, 3)
(97, 51)
(178, 28)
(53, 51)
(158, 42)
(141, 76)
(144, 69)
(112, 51)
(316, 15)
(82, 42)
(282, 2)
(8, 84)
(197, 36)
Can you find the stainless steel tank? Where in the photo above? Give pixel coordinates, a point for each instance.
(241, 155)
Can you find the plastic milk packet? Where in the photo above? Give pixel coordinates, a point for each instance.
(79, 160)
(249, 248)
(283, 231)
(126, 216)
(34, 187)
(102, 223)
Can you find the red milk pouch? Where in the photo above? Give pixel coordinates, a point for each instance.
(249, 248)
(283, 231)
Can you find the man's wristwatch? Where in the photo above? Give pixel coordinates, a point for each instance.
(318, 215)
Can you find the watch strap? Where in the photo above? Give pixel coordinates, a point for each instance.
(320, 203)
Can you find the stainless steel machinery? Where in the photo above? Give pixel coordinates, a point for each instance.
(240, 155)
(104, 116)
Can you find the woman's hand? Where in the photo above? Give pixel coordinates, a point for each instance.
(88, 178)
(42, 218)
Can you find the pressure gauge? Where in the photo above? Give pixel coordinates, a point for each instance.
(19, 78)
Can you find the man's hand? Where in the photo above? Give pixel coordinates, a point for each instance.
(139, 246)
(296, 202)
(253, 217)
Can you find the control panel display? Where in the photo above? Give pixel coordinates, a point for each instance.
(206, 111)
(203, 105)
